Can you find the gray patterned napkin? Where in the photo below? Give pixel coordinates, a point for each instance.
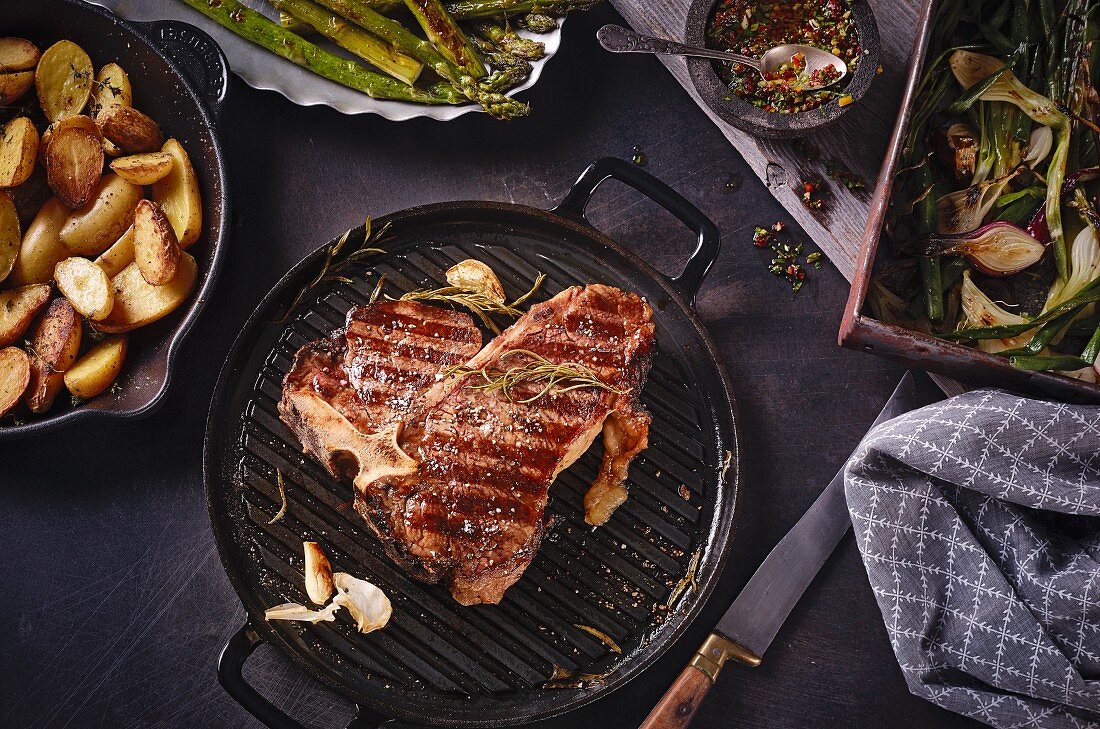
(978, 519)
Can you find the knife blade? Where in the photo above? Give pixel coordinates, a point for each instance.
(760, 609)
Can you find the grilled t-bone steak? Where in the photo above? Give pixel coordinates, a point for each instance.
(456, 485)
(363, 380)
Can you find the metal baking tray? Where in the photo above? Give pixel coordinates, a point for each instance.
(858, 330)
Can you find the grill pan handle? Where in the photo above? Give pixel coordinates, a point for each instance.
(708, 244)
(231, 677)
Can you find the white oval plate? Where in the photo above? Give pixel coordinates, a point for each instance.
(261, 69)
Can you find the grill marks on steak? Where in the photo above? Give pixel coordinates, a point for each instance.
(364, 380)
(474, 510)
(455, 480)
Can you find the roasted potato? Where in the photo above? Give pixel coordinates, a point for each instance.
(85, 286)
(137, 302)
(97, 369)
(64, 80)
(74, 163)
(112, 86)
(54, 346)
(119, 255)
(18, 54)
(15, 375)
(92, 228)
(18, 308)
(156, 249)
(10, 237)
(130, 129)
(18, 151)
(143, 169)
(42, 248)
(14, 85)
(178, 195)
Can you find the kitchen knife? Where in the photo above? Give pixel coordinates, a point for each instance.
(750, 624)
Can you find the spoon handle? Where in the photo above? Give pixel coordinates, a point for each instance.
(618, 39)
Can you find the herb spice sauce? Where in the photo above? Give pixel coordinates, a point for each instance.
(752, 27)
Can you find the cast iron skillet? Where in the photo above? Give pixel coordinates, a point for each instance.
(437, 662)
(180, 78)
(747, 117)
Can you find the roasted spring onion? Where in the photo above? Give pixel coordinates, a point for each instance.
(994, 229)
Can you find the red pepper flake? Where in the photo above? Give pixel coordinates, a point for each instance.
(761, 238)
(685, 493)
(778, 226)
(788, 261)
(812, 195)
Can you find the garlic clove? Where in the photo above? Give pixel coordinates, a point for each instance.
(318, 573)
(367, 604)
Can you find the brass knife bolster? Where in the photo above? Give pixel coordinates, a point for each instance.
(712, 655)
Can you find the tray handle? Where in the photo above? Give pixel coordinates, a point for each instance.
(231, 677)
(197, 54)
(708, 244)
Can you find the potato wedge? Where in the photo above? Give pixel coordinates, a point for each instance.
(74, 164)
(55, 344)
(112, 86)
(81, 121)
(42, 248)
(119, 255)
(64, 80)
(98, 369)
(18, 151)
(18, 308)
(15, 375)
(14, 85)
(138, 303)
(85, 286)
(18, 54)
(143, 169)
(10, 237)
(178, 195)
(92, 228)
(129, 128)
(156, 249)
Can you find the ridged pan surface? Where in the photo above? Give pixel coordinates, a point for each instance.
(438, 662)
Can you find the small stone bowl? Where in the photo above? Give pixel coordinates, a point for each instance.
(746, 117)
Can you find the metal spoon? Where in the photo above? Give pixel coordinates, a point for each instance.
(618, 39)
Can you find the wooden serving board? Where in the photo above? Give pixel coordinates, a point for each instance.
(858, 139)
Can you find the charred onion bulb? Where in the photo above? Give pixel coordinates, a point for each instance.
(996, 249)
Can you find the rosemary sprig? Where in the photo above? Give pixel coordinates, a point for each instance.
(477, 302)
(600, 636)
(331, 267)
(688, 580)
(555, 377)
(282, 497)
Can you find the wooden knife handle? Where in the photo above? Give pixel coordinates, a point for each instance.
(678, 706)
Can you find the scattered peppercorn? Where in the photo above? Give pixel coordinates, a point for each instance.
(639, 157)
(734, 182)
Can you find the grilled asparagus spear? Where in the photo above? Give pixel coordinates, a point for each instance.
(446, 36)
(353, 38)
(486, 92)
(254, 27)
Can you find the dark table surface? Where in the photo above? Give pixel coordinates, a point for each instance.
(115, 603)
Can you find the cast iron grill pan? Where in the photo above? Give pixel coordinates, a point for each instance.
(438, 662)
